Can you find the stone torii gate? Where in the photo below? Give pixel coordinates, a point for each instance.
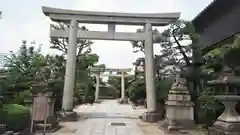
(97, 73)
(111, 19)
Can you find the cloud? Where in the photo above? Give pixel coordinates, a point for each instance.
(8, 37)
(28, 22)
(34, 30)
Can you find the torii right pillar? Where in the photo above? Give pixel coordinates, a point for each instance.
(122, 86)
(151, 115)
(97, 87)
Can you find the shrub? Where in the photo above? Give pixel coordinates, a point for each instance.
(208, 108)
(136, 91)
(19, 98)
(89, 99)
(16, 117)
(162, 88)
(108, 92)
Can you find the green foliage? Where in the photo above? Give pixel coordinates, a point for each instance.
(139, 67)
(84, 90)
(89, 91)
(180, 49)
(2, 91)
(108, 92)
(89, 60)
(16, 117)
(22, 67)
(116, 83)
(136, 90)
(208, 107)
(83, 82)
(162, 88)
(56, 86)
(217, 58)
(20, 97)
(177, 42)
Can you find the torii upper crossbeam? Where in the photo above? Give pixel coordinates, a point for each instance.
(156, 19)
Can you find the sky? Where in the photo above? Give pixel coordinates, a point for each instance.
(24, 20)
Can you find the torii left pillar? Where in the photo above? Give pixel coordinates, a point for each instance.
(151, 115)
(67, 101)
(123, 99)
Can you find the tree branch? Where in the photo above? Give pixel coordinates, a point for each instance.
(180, 48)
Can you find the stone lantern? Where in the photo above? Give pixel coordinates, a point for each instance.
(228, 123)
(43, 116)
(179, 107)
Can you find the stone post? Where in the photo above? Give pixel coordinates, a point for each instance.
(97, 86)
(151, 114)
(149, 62)
(67, 101)
(122, 86)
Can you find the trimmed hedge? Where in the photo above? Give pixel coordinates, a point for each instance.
(17, 117)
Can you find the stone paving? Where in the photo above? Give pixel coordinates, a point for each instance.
(110, 118)
(107, 118)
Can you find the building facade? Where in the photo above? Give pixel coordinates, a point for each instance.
(218, 22)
